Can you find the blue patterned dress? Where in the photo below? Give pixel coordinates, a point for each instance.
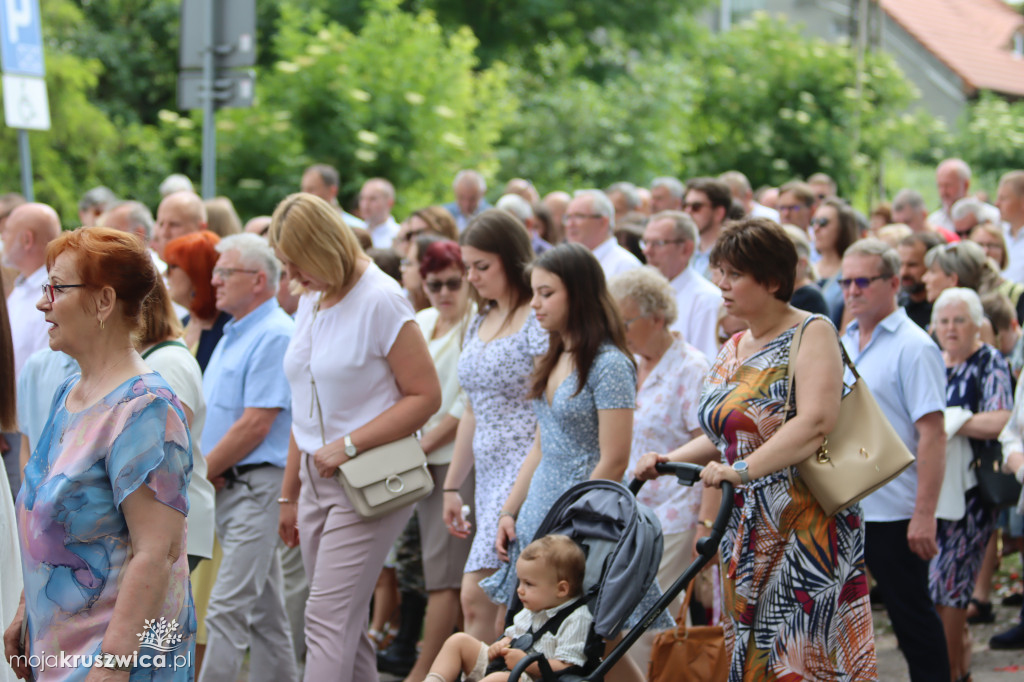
(981, 383)
(570, 452)
(74, 538)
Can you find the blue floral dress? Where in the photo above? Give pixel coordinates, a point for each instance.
(981, 383)
(74, 537)
(570, 452)
(496, 378)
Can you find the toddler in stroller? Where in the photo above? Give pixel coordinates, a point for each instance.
(621, 541)
(554, 620)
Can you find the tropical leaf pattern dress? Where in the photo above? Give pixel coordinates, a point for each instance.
(795, 588)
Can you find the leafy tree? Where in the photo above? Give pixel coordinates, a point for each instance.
(991, 135)
(399, 99)
(777, 105)
(136, 41)
(575, 131)
(83, 148)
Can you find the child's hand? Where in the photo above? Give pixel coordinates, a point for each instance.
(494, 651)
(512, 656)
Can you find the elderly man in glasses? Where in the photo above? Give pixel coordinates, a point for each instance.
(588, 221)
(248, 422)
(905, 371)
(670, 239)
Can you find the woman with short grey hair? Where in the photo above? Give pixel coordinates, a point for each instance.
(979, 395)
(670, 375)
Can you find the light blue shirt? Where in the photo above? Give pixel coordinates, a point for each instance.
(903, 367)
(246, 370)
(43, 373)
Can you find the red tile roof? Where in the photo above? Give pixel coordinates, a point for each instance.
(974, 38)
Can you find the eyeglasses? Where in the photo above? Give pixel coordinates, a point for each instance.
(790, 208)
(656, 243)
(582, 216)
(861, 282)
(409, 236)
(820, 222)
(224, 273)
(434, 286)
(694, 205)
(51, 290)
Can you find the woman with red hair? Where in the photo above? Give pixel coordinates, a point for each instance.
(101, 513)
(190, 260)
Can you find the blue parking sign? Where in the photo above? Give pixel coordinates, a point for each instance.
(21, 38)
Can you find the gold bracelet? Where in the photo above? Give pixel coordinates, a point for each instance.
(707, 523)
(286, 500)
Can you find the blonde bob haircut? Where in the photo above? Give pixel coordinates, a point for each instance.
(310, 234)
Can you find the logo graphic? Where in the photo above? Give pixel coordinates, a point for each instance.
(162, 635)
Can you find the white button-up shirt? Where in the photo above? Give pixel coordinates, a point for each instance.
(614, 259)
(385, 233)
(28, 325)
(697, 303)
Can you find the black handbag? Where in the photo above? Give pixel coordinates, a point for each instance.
(997, 490)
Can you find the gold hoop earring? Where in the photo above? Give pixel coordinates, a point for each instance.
(101, 325)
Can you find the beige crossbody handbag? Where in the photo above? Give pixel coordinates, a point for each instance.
(861, 454)
(382, 479)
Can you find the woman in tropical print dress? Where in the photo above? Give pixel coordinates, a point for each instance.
(795, 589)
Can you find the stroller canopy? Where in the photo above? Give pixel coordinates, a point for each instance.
(622, 541)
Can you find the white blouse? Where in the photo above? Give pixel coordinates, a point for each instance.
(345, 350)
(179, 368)
(445, 353)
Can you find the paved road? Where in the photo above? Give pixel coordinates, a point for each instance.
(986, 665)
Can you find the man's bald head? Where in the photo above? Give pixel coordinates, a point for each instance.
(130, 216)
(26, 232)
(179, 214)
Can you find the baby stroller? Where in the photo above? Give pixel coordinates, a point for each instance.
(623, 545)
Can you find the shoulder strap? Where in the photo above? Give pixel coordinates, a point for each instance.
(163, 344)
(554, 622)
(794, 347)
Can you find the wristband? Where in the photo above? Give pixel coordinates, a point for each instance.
(286, 500)
(508, 514)
(450, 490)
(707, 523)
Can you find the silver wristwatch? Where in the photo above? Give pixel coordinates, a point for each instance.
(350, 448)
(741, 468)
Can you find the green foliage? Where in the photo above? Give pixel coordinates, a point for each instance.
(991, 136)
(506, 28)
(400, 99)
(573, 131)
(83, 148)
(137, 43)
(778, 105)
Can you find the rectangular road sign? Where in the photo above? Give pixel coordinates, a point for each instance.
(21, 38)
(235, 33)
(25, 102)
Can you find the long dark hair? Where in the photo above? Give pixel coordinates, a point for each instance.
(593, 317)
(8, 404)
(499, 232)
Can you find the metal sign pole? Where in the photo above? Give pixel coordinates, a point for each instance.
(26, 165)
(209, 160)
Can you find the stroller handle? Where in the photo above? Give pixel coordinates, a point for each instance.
(687, 474)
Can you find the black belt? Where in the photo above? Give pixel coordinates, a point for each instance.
(231, 474)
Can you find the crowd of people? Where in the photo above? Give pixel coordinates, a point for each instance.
(178, 393)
